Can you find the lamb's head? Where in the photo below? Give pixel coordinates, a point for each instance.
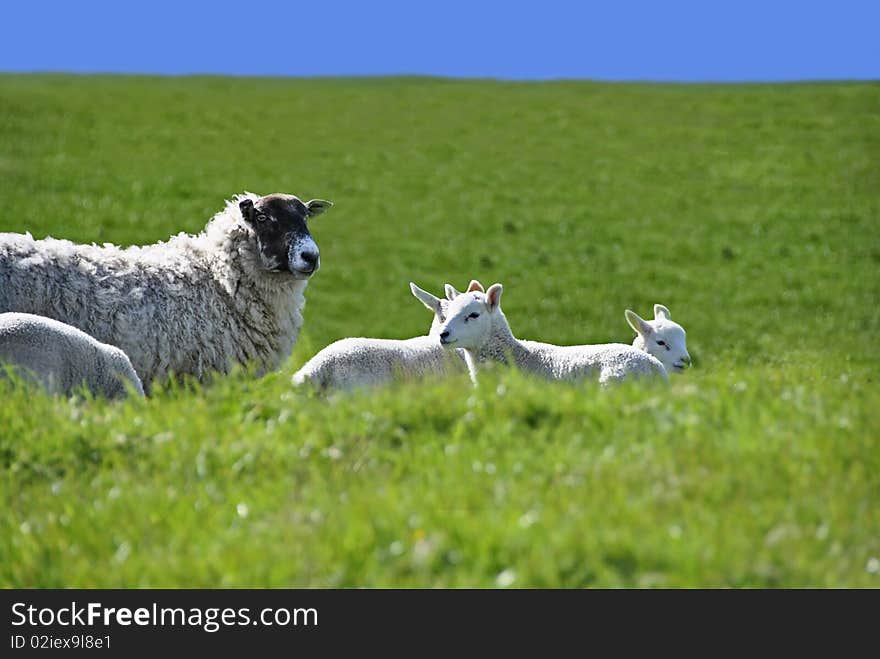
(662, 338)
(469, 317)
(438, 305)
(279, 222)
(435, 304)
(119, 374)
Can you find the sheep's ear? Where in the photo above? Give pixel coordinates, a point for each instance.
(475, 286)
(661, 313)
(451, 293)
(246, 206)
(430, 301)
(493, 296)
(318, 206)
(639, 325)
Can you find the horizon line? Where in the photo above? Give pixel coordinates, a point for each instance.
(441, 77)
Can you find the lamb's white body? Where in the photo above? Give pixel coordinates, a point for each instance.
(359, 362)
(190, 305)
(63, 358)
(605, 362)
(476, 323)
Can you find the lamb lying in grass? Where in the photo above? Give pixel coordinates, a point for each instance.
(357, 362)
(63, 358)
(475, 323)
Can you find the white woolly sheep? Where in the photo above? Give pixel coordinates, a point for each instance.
(191, 305)
(661, 337)
(357, 362)
(63, 358)
(475, 322)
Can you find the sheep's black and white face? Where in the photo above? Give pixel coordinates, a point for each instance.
(283, 239)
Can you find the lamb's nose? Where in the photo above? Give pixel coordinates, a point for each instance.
(686, 360)
(444, 335)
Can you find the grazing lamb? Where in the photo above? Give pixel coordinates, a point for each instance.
(662, 338)
(475, 322)
(357, 362)
(62, 358)
(232, 294)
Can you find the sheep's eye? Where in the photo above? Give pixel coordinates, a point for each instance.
(661, 343)
(262, 217)
(474, 315)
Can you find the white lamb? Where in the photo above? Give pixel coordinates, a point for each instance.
(662, 338)
(475, 322)
(358, 362)
(63, 358)
(232, 294)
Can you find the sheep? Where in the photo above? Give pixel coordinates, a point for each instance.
(475, 322)
(63, 358)
(661, 337)
(357, 362)
(232, 294)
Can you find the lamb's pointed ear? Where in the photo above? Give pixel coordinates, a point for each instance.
(430, 301)
(475, 286)
(318, 206)
(661, 313)
(246, 206)
(451, 293)
(493, 296)
(639, 325)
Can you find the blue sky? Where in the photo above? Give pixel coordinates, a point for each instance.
(610, 40)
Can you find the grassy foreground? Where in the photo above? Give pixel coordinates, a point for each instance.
(751, 211)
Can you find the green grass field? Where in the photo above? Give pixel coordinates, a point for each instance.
(750, 210)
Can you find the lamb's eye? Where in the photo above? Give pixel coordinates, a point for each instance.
(261, 217)
(661, 343)
(474, 315)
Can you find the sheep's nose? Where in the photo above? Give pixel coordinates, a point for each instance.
(686, 360)
(444, 335)
(309, 257)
